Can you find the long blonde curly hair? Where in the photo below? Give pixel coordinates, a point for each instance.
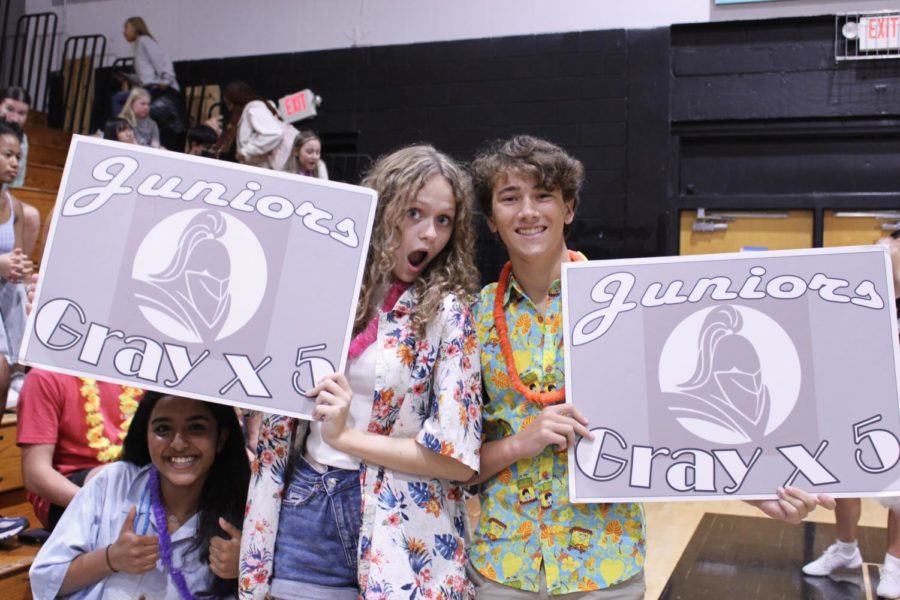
(398, 178)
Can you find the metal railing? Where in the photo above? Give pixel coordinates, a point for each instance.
(4, 27)
(81, 55)
(199, 108)
(125, 63)
(347, 168)
(32, 55)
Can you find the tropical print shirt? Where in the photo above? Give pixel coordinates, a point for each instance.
(527, 522)
(413, 528)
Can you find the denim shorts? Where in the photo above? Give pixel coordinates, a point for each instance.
(318, 534)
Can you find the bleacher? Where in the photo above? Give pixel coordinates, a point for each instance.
(15, 557)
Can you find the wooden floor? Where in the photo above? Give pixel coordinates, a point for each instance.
(671, 525)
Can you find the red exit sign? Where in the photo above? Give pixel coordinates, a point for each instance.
(879, 32)
(294, 107)
(294, 104)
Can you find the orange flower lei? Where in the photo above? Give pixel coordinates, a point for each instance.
(96, 435)
(542, 398)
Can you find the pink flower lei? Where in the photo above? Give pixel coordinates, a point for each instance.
(367, 336)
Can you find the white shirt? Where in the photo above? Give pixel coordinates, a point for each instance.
(361, 377)
(259, 133)
(152, 66)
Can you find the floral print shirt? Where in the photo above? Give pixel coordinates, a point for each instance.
(413, 528)
(527, 521)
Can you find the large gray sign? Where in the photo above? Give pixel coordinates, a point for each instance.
(198, 277)
(727, 376)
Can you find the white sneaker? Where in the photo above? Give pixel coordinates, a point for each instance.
(889, 583)
(831, 560)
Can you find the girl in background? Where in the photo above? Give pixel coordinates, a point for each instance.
(137, 113)
(258, 136)
(177, 497)
(153, 69)
(15, 266)
(120, 130)
(306, 156)
(370, 506)
(15, 103)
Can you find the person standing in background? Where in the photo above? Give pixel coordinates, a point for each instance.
(844, 552)
(258, 136)
(154, 71)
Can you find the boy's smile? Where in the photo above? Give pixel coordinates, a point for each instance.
(529, 220)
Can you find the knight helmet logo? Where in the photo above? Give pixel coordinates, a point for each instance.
(186, 273)
(729, 374)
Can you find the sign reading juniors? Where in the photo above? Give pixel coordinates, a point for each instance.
(198, 277)
(727, 376)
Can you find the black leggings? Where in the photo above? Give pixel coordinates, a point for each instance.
(55, 512)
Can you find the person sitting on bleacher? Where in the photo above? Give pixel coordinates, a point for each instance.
(15, 103)
(200, 140)
(68, 428)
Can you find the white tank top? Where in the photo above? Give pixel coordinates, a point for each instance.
(361, 377)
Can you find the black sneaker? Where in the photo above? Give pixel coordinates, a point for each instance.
(10, 526)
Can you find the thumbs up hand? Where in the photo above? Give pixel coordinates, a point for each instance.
(133, 553)
(224, 555)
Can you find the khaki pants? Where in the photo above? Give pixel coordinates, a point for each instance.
(485, 589)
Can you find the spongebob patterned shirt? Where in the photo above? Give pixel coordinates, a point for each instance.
(527, 521)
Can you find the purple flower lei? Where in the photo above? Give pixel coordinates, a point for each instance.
(165, 542)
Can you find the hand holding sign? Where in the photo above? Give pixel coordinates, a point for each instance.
(893, 246)
(557, 425)
(333, 396)
(793, 504)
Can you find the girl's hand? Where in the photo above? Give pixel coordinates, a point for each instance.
(793, 504)
(893, 246)
(333, 396)
(225, 555)
(14, 264)
(215, 123)
(29, 292)
(133, 553)
(27, 269)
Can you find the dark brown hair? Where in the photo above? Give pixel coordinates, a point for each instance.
(551, 167)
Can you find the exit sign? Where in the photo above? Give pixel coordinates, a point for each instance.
(879, 32)
(298, 106)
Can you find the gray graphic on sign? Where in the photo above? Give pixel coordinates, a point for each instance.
(730, 374)
(183, 271)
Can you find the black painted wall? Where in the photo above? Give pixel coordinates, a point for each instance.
(584, 91)
(764, 117)
(749, 114)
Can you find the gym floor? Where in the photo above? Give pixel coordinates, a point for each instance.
(715, 550)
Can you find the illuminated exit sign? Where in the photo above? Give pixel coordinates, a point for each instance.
(295, 107)
(879, 32)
